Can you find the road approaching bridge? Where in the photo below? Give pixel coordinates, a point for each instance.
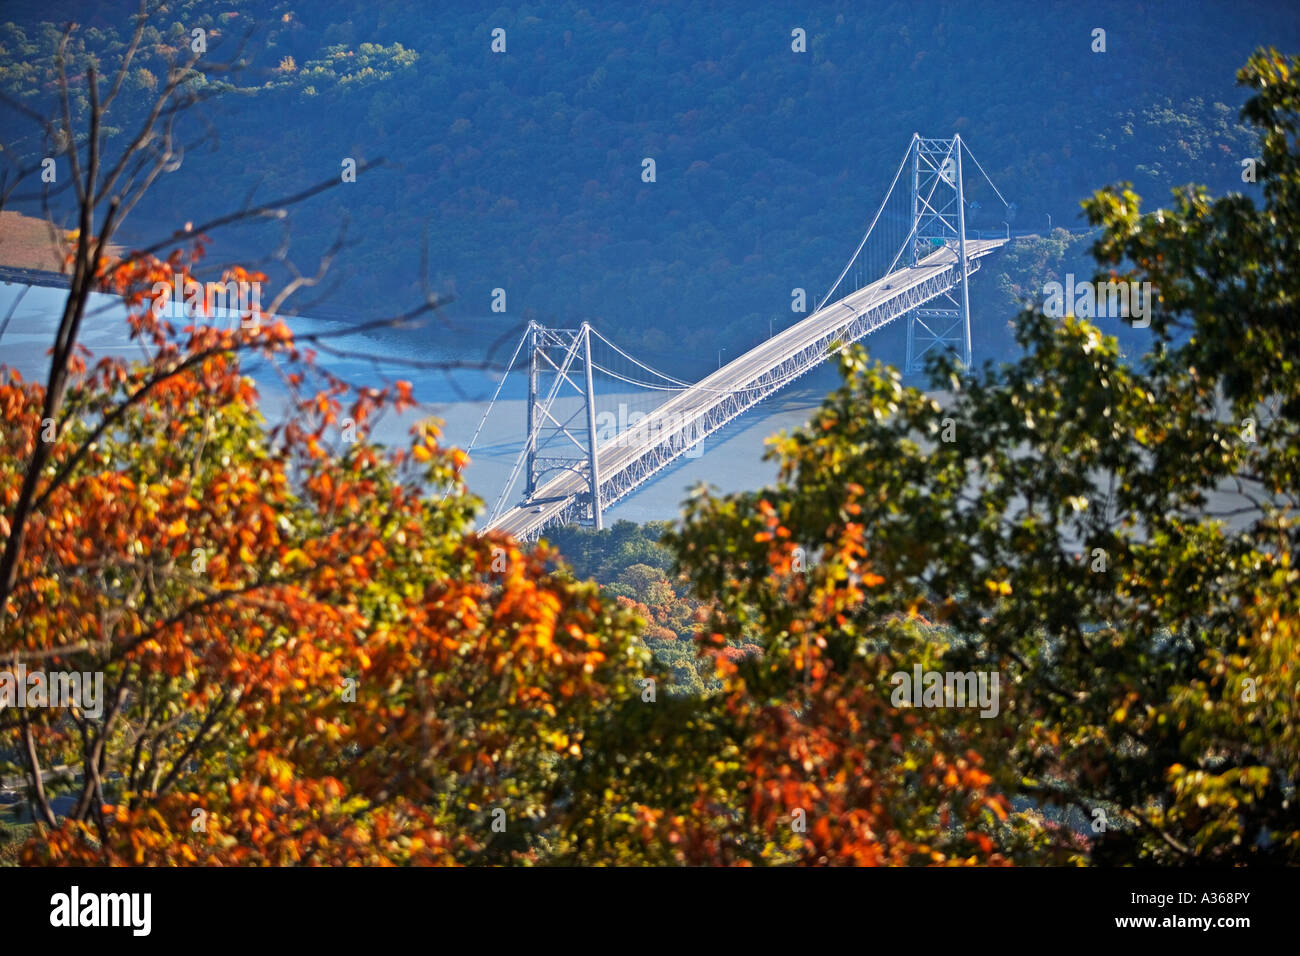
(629, 459)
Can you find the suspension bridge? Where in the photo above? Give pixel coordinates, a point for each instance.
(914, 261)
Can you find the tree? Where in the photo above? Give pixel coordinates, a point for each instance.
(649, 584)
(306, 656)
(825, 770)
(303, 650)
(1115, 541)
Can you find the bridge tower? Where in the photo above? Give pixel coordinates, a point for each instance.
(555, 357)
(938, 218)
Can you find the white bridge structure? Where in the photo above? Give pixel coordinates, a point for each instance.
(924, 257)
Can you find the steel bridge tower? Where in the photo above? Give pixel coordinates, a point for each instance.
(938, 218)
(557, 355)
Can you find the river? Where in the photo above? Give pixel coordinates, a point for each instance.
(731, 460)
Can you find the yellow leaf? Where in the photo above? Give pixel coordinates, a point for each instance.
(295, 558)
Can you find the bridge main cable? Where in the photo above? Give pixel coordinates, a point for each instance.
(856, 252)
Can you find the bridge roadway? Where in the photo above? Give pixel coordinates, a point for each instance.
(627, 460)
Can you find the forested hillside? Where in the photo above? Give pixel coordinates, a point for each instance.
(522, 170)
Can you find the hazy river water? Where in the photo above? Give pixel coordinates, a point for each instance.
(731, 459)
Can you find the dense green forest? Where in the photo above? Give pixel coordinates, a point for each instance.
(522, 170)
(633, 568)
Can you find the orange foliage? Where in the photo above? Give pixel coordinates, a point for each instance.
(233, 582)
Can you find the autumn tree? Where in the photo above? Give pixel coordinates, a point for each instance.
(307, 655)
(1112, 536)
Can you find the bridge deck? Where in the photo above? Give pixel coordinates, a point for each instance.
(631, 458)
